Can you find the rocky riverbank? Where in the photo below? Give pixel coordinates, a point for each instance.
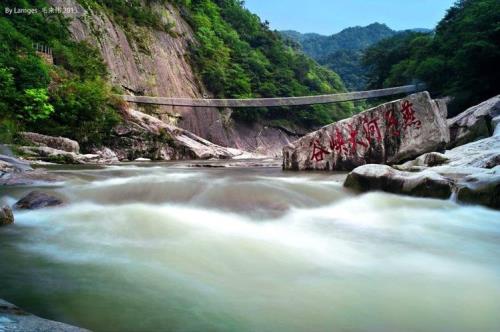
(469, 172)
(400, 147)
(139, 136)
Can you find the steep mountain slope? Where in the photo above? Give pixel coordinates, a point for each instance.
(180, 62)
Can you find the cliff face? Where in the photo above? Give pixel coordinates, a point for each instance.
(150, 62)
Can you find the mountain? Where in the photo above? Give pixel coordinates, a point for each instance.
(459, 60)
(354, 38)
(342, 52)
(171, 48)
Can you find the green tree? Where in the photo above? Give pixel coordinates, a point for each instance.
(36, 106)
(238, 56)
(460, 60)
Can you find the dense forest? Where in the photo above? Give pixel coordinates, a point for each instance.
(460, 60)
(342, 52)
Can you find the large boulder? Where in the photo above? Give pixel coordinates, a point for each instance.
(144, 136)
(470, 171)
(481, 188)
(474, 123)
(6, 215)
(385, 178)
(58, 143)
(48, 154)
(37, 200)
(387, 134)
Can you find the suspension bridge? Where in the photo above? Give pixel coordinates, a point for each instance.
(275, 102)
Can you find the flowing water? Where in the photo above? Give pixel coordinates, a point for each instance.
(165, 247)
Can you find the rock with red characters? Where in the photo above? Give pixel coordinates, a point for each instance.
(387, 134)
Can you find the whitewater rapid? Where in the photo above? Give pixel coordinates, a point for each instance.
(172, 248)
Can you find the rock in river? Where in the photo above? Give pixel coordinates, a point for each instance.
(6, 215)
(387, 134)
(37, 200)
(388, 179)
(58, 143)
(471, 171)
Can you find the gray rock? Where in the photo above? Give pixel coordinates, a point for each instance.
(426, 160)
(14, 171)
(6, 168)
(58, 143)
(442, 105)
(36, 176)
(106, 155)
(481, 188)
(484, 153)
(474, 123)
(385, 178)
(16, 319)
(51, 155)
(12, 164)
(144, 136)
(6, 215)
(48, 154)
(387, 134)
(471, 171)
(37, 200)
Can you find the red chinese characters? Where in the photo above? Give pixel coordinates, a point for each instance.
(318, 152)
(392, 124)
(409, 119)
(353, 139)
(371, 129)
(337, 143)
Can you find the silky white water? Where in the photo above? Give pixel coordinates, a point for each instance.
(172, 248)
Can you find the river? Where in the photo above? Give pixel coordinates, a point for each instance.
(167, 247)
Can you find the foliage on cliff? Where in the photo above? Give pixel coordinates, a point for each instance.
(238, 56)
(460, 60)
(69, 98)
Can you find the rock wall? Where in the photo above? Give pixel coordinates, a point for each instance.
(159, 67)
(387, 134)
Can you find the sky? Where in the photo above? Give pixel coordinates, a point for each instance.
(331, 16)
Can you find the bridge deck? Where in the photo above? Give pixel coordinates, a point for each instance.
(273, 102)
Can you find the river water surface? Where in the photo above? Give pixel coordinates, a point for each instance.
(166, 247)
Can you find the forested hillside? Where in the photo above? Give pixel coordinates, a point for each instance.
(234, 54)
(460, 60)
(238, 56)
(354, 38)
(342, 52)
(70, 98)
